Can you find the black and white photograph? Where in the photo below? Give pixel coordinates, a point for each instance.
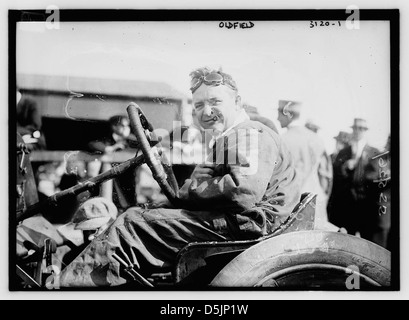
(204, 150)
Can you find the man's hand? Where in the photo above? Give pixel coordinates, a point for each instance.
(350, 164)
(203, 171)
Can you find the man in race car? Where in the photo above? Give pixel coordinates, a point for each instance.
(245, 189)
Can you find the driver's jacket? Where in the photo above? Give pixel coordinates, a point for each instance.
(254, 180)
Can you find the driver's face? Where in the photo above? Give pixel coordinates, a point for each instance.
(217, 107)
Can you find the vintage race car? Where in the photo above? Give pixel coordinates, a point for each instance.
(294, 256)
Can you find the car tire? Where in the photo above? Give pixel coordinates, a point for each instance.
(308, 260)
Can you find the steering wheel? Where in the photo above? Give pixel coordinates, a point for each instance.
(155, 159)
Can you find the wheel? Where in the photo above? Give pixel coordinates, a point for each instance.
(154, 157)
(308, 260)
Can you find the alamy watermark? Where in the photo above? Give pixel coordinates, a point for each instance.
(239, 147)
(353, 281)
(352, 21)
(53, 17)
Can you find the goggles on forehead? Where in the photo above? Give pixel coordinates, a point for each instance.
(213, 78)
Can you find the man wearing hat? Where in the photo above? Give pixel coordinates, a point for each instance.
(342, 140)
(245, 189)
(255, 116)
(309, 156)
(325, 167)
(352, 203)
(119, 138)
(312, 125)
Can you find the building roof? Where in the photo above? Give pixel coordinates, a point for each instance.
(132, 88)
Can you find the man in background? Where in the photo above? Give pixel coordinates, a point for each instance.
(352, 204)
(312, 125)
(119, 138)
(325, 174)
(308, 153)
(29, 123)
(342, 140)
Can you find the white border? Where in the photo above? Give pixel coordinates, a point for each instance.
(207, 4)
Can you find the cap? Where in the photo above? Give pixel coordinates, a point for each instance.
(94, 213)
(359, 123)
(312, 125)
